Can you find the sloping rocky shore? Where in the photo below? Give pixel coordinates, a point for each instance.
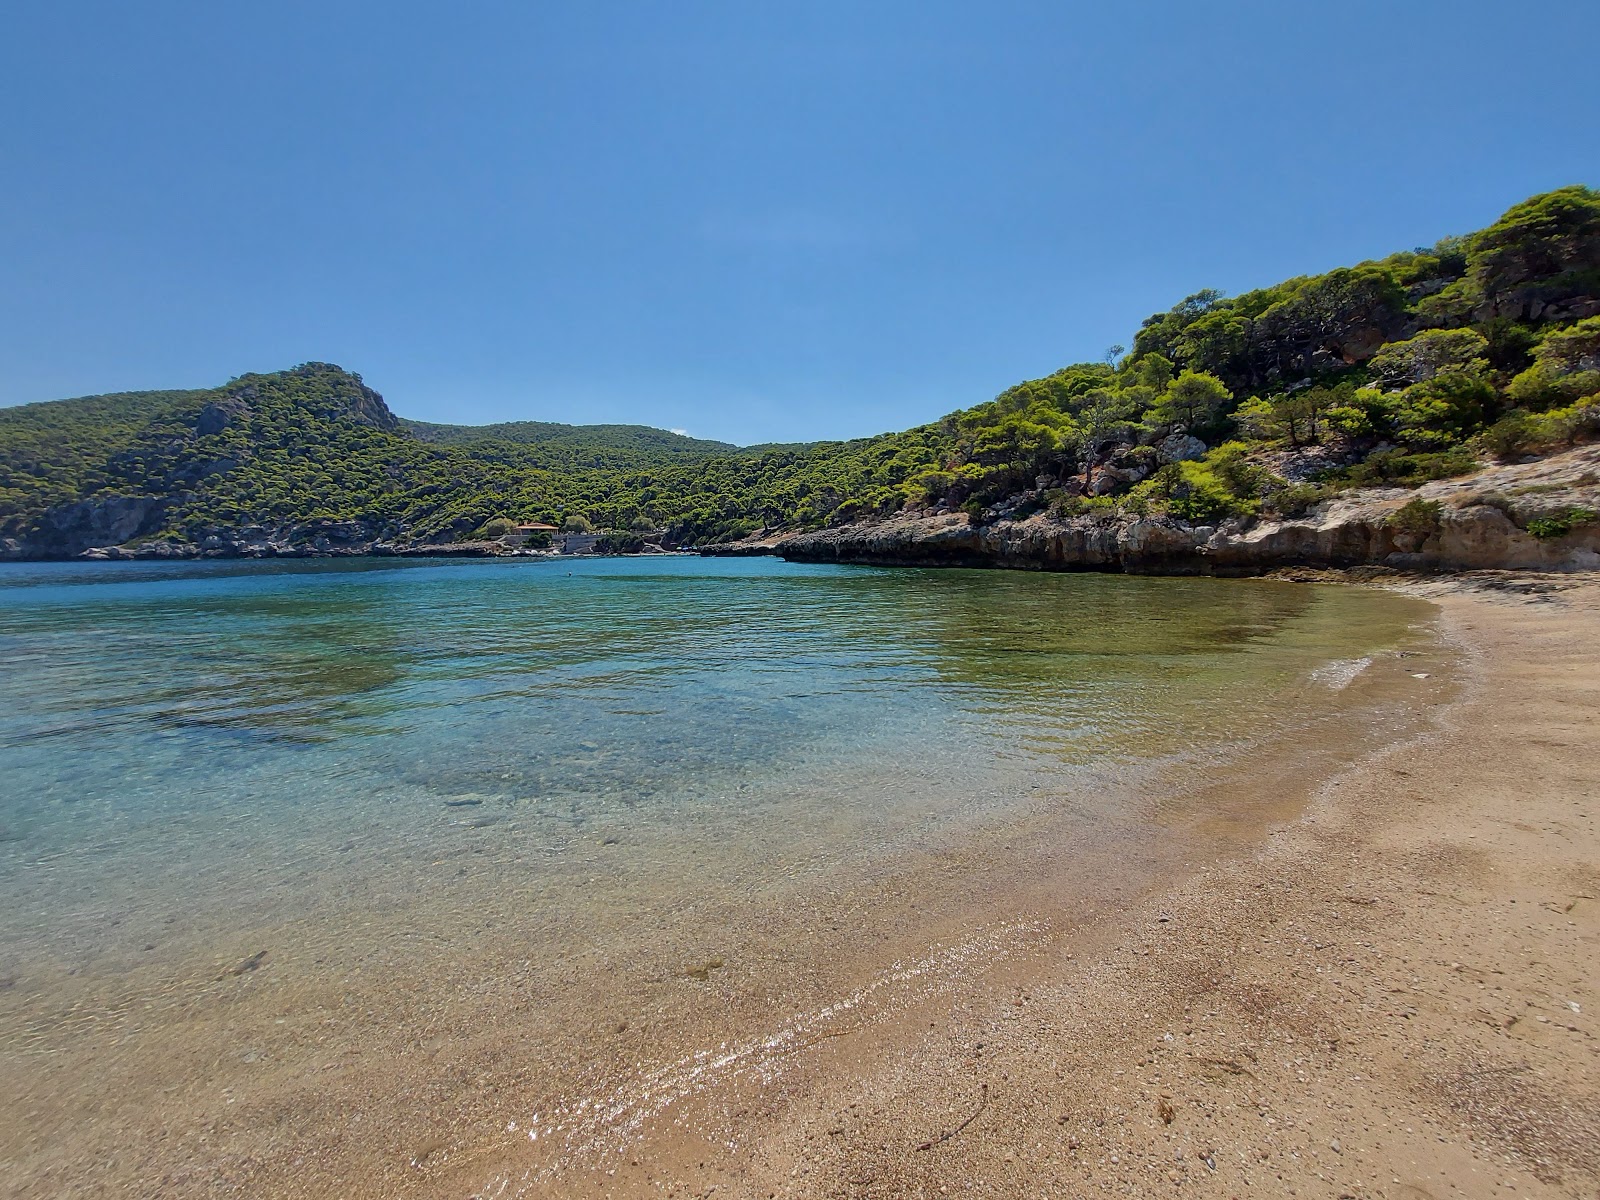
(1503, 517)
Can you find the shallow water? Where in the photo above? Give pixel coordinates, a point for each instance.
(254, 814)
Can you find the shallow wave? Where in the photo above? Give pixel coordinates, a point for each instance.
(601, 1127)
(1340, 673)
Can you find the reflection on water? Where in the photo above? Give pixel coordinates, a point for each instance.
(405, 778)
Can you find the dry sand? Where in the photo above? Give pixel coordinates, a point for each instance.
(1392, 994)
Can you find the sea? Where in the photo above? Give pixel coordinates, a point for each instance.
(317, 876)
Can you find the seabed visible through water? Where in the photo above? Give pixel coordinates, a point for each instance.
(319, 870)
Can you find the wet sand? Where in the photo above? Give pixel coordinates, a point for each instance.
(1392, 994)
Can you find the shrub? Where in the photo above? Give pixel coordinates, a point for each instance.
(619, 543)
(1545, 385)
(930, 486)
(1510, 344)
(1192, 491)
(1078, 506)
(1574, 421)
(1560, 524)
(1295, 499)
(1357, 420)
(1441, 411)
(1416, 516)
(1520, 431)
(1573, 349)
(1135, 504)
(1392, 467)
(1243, 478)
(1432, 352)
(1510, 435)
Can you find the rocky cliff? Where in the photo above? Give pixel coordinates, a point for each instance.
(1536, 515)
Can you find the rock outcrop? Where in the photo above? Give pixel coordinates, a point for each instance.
(1491, 519)
(105, 518)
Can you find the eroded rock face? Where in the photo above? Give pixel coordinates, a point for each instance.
(1180, 447)
(68, 529)
(1482, 523)
(222, 414)
(368, 407)
(1114, 479)
(106, 519)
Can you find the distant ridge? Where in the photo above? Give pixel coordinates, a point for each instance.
(621, 437)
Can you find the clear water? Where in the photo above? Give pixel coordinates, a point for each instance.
(431, 770)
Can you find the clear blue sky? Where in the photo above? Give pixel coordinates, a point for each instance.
(754, 221)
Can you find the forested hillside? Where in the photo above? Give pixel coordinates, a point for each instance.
(296, 451)
(1402, 370)
(642, 442)
(1405, 369)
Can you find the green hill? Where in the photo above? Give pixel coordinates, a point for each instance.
(1403, 369)
(292, 453)
(640, 440)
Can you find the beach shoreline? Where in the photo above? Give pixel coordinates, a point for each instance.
(1256, 993)
(1390, 995)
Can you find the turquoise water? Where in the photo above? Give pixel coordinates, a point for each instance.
(379, 773)
(166, 730)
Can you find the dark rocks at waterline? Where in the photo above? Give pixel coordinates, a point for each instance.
(215, 546)
(757, 545)
(336, 541)
(441, 550)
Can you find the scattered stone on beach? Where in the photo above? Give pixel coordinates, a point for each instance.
(244, 968)
(421, 1155)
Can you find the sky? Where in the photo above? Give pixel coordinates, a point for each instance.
(751, 221)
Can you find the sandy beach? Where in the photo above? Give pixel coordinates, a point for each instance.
(1393, 994)
(1354, 959)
